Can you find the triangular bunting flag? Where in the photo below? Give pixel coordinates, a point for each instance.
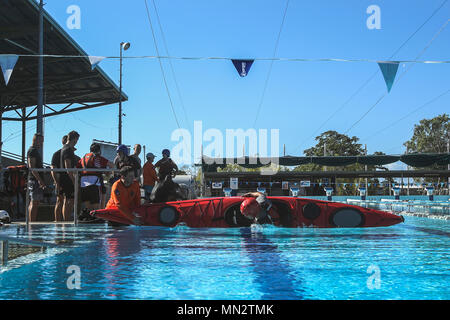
(95, 60)
(242, 66)
(389, 71)
(7, 64)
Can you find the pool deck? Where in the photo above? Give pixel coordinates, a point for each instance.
(21, 223)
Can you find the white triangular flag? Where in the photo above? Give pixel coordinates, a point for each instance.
(7, 64)
(95, 60)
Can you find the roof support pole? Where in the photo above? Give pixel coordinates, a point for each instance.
(120, 97)
(40, 102)
(448, 166)
(1, 126)
(24, 133)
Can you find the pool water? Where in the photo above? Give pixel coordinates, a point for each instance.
(405, 261)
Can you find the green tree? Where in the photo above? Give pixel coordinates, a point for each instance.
(430, 135)
(336, 145)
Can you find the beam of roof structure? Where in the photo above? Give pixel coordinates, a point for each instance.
(66, 80)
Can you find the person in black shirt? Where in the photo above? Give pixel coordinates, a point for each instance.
(123, 159)
(166, 166)
(56, 164)
(67, 180)
(36, 183)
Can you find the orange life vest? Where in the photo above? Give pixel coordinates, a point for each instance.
(17, 179)
(88, 162)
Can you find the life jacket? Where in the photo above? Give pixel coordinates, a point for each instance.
(17, 178)
(88, 162)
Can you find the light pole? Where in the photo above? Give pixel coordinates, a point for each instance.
(124, 46)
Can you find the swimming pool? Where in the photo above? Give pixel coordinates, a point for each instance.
(436, 208)
(405, 261)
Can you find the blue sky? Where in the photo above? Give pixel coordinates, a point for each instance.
(300, 96)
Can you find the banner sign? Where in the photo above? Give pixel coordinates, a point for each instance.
(305, 184)
(217, 185)
(234, 183)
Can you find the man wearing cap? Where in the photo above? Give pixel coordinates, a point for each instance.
(258, 208)
(123, 159)
(149, 175)
(166, 166)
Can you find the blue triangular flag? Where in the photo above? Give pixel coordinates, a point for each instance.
(389, 71)
(7, 64)
(242, 66)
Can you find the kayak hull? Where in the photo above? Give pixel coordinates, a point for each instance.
(224, 212)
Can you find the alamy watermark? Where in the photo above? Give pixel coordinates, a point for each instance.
(374, 280)
(74, 20)
(74, 280)
(214, 146)
(374, 20)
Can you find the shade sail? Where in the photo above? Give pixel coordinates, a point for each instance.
(413, 160)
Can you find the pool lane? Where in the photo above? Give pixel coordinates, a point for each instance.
(273, 274)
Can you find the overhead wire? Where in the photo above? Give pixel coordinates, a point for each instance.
(160, 65)
(271, 65)
(171, 66)
(376, 72)
(233, 58)
(164, 75)
(407, 115)
(400, 77)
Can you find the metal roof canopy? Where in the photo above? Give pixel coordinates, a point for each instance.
(69, 82)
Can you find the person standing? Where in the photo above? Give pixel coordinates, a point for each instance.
(67, 179)
(36, 183)
(150, 177)
(166, 166)
(124, 160)
(92, 182)
(56, 164)
(136, 152)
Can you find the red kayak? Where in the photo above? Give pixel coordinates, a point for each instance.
(224, 212)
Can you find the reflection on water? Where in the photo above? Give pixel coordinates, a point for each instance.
(242, 264)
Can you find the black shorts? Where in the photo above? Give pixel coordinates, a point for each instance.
(36, 192)
(102, 186)
(90, 194)
(67, 188)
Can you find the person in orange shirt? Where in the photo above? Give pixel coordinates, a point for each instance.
(150, 176)
(126, 195)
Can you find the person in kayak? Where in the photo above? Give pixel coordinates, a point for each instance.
(126, 195)
(258, 208)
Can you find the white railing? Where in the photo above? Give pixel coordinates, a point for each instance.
(76, 172)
